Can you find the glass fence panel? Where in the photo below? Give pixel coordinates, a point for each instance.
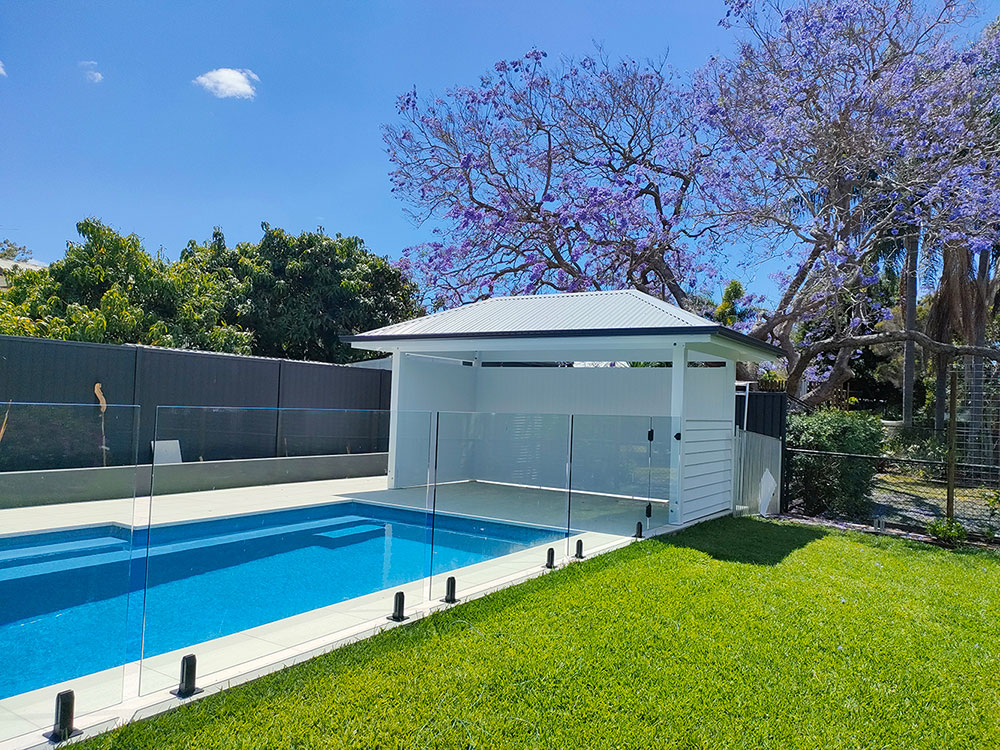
(500, 496)
(251, 555)
(67, 488)
(610, 479)
(311, 432)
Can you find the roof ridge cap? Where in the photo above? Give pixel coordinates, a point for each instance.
(642, 296)
(550, 294)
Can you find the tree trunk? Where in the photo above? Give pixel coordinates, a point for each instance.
(909, 324)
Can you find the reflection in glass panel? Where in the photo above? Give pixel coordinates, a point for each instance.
(67, 486)
(251, 556)
(663, 467)
(500, 496)
(610, 476)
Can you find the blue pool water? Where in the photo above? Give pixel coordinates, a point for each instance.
(83, 600)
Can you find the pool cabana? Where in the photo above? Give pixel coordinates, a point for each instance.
(511, 355)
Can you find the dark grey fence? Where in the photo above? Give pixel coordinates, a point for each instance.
(64, 372)
(765, 414)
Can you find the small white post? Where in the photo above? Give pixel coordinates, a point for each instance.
(746, 397)
(394, 417)
(734, 453)
(678, 411)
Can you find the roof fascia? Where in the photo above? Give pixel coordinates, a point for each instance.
(753, 350)
(551, 344)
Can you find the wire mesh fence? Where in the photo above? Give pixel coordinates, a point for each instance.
(907, 485)
(977, 423)
(906, 493)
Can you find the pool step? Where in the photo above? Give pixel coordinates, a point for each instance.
(66, 556)
(60, 550)
(240, 537)
(343, 537)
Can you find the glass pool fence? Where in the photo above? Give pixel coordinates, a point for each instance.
(261, 536)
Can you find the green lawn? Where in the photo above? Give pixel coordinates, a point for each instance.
(736, 633)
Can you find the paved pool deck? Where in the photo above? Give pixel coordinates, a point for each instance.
(508, 502)
(113, 696)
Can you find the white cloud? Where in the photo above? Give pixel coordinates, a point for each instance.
(3, 72)
(226, 83)
(90, 71)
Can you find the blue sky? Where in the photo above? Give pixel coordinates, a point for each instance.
(101, 115)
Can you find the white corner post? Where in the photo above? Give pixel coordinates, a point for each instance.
(678, 410)
(735, 461)
(394, 417)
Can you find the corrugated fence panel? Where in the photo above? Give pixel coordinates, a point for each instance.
(175, 378)
(310, 386)
(64, 372)
(756, 456)
(314, 385)
(385, 389)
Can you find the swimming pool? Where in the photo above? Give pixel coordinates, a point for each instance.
(82, 600)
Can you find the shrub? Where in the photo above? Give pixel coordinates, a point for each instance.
(948, 531)
(841, 486)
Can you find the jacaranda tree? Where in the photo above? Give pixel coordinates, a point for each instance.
(846, 127)
(841, 136)
(571, 177)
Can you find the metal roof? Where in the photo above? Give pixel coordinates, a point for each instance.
(23, 265)
(620, 312)
(27, 265)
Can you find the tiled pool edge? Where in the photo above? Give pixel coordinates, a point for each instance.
(146, 706)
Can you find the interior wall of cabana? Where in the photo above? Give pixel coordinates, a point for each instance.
(511, 424)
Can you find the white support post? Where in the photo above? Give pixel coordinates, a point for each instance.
(731, 389)
(678, 374)
(394, 417)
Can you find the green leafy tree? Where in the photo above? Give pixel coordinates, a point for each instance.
(286, 296)
(299, 294)
(108, 289)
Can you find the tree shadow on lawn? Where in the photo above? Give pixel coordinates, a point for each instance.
(745, 540)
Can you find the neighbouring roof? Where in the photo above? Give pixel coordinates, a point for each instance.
(25, 265)
(620, 312)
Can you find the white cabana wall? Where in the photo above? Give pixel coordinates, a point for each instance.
(510, 424)
(423, 384)
(448, 385)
